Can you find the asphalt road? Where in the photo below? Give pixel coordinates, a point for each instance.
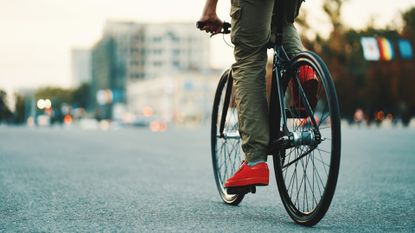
(132, 180)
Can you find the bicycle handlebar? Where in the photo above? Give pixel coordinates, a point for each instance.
(225, 27)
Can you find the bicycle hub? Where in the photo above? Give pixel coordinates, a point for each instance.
(304, 138)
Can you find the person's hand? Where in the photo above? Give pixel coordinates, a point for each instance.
(211, 24)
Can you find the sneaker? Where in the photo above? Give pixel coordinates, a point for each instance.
(257, 175)
(309, 82)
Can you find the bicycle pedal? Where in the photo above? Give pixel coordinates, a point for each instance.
(241, 189)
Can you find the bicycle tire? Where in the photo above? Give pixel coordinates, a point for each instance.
(295, 194)
(225, 162)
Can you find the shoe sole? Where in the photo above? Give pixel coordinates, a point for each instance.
(241, 189)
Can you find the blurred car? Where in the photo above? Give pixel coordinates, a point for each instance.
(88, 123)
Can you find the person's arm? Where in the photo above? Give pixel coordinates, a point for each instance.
(210, 18)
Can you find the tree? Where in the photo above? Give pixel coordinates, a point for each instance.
(333, 10)
(373, 86)
(56, 94)
(5, 113)
(409, 23)
(407, 84)
(81, 95)
(20, 111)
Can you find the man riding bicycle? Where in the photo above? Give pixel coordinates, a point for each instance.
(253, 23)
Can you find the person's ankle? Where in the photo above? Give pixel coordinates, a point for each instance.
(253, 163)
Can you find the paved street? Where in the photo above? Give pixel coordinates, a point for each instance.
(132, 180)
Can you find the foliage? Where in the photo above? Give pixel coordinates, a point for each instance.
(409, 20)
(372, 86)
(56, 94)
(20, 111)
(77, 97)
(5, 113)
(81, 95)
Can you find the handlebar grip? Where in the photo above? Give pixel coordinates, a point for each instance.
(226, 28)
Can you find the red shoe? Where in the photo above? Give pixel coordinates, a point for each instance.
(257, 175)
(309, 82)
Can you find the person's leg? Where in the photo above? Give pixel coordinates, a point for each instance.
(251, 20)
(293, 45)
(291, 40)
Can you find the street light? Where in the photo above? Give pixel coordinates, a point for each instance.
(41, 104)
(44, 104)
(48, 103)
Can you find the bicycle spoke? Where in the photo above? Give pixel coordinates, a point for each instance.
(291, 179)
(305, 184)
(321, 180)
(324, 163)
(299, 188)
(296, 180)
(220, 164)
(314, 170)
(323, 150)
(318, 186)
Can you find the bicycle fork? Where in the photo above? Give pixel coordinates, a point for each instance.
(227, 100)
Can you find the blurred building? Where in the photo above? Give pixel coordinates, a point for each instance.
(173, 47)
(149, 50)
(182, 97)
(81, 66)
(104, 74)
(130, 52)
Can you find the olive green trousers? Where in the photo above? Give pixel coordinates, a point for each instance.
(251, 32)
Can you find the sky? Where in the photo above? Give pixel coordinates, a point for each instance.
(37, 35)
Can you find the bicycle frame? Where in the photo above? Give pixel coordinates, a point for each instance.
(226, 104)
(280, 66)
(280, 136)
(280, 62)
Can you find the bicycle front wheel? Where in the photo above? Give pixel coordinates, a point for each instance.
(306, 172)
(225, 139)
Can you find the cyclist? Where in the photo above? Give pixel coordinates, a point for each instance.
(253, 24)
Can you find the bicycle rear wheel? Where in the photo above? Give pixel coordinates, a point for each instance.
(306, 173)
(225, 139)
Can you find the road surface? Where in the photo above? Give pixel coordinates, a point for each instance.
(133, 180)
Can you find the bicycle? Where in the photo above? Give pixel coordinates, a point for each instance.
(305, 136)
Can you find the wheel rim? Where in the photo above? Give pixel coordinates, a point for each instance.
(306, 178)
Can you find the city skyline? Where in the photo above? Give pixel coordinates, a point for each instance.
(39, 36)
